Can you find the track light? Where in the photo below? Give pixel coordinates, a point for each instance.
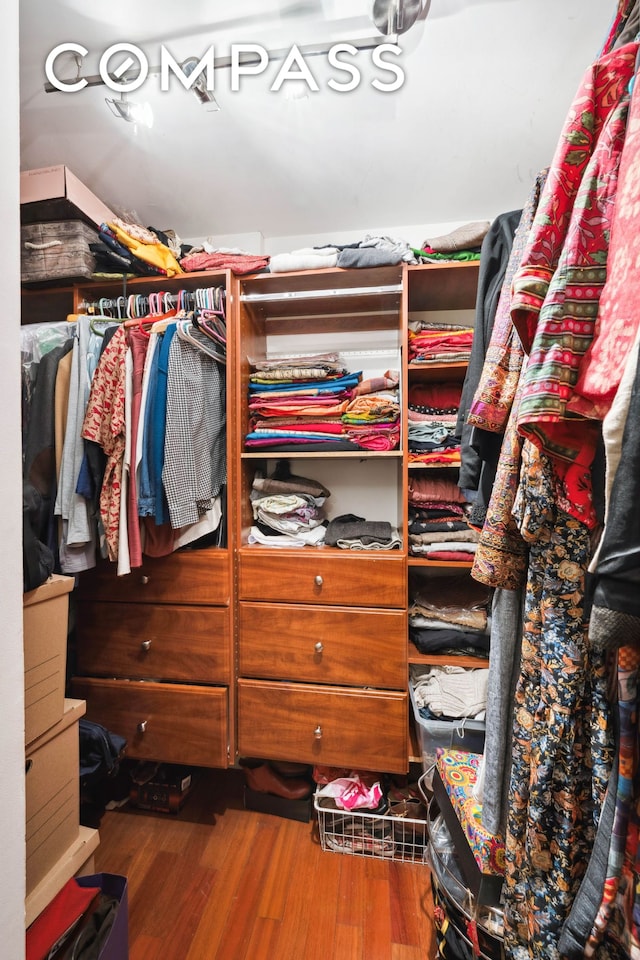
(199, 86)
(131, 112)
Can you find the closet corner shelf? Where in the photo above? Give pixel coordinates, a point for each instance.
(454, 289)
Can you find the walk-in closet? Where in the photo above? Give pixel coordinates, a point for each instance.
(321, 389)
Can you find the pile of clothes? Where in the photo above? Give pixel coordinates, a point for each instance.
(438, 526)
(431, 342)
(463, 243)
(128, 247)
(314, 402)
(450, 615)
(432, 415)
(450, 692)
(288, 510)
(372, 251)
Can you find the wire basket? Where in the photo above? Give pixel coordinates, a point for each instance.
(400, 834)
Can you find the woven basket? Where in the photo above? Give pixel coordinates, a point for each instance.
(56, 251)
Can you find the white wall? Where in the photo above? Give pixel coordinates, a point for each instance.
(12, 887)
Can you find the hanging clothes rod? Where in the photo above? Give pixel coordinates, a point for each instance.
(154, 304)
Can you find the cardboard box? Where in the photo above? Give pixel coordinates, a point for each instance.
(52, 787)
(45, 613)
(443, 733)
(55, 193)
(77, 860)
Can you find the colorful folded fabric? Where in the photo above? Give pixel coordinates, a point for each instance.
(458, 771)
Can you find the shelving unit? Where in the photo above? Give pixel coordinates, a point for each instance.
(260, 613)
(445, 291)
(332, 622)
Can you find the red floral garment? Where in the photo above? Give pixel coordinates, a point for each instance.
(104, 423)
(602, 88)
(566, 326)
(494, 396)
(618, 317)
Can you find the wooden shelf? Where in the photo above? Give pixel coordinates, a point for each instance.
(448, 285)
(445, 660)
(322, 455)
(440, 564)
(438, 372)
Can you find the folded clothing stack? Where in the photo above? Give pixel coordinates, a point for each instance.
(438, 528)
(450, 692)
(288, 510)
(463, 243)
(431, 342)
(350, 532)
(432, 412)
(452, 619)
(315, 403)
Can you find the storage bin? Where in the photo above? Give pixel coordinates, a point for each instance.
(56, 251)
(449, 734)
(387, 836)
(468, 924)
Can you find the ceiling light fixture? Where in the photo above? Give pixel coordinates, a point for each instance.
(138, 113)
(199, 86)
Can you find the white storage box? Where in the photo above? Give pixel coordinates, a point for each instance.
(55, 193)
(448, 734)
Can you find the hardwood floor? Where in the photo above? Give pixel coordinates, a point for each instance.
(217, 882)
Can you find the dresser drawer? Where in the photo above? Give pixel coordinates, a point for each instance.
(161, 641)
(189, 576)
(181, 724)
(331, 645)
(325, 725)
(336, 577)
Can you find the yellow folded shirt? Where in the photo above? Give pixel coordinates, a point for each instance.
(157, 254)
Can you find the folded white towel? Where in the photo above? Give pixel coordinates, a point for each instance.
(308, 258)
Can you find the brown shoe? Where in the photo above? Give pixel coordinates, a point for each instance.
(264, 779)
(288, 769)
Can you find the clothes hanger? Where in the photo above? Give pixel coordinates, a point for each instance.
(100, 319)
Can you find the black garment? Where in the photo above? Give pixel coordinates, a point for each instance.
(39, 443)
(617, 574)
(494, 258)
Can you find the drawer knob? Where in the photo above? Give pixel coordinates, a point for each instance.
(318, 732)
(319, 647)
(142, 726)
(144, 579)
(319, 581)
(145, 645)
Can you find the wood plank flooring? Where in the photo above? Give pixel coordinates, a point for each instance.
(218, 882)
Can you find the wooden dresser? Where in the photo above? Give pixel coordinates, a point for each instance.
(154, 656)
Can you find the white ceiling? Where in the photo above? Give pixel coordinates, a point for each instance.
(488, 84)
